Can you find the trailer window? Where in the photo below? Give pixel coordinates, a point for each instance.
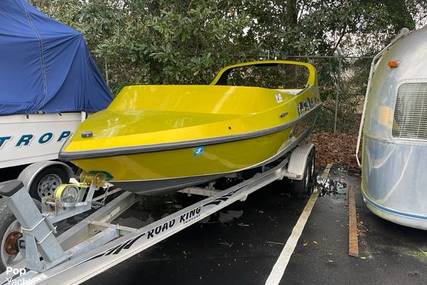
(410, 113)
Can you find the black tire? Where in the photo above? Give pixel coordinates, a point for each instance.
(46, 181)
(304, 187)
(312, 169)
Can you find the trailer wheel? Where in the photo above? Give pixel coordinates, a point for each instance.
(10, 233)
(47, 180)
(304, 187)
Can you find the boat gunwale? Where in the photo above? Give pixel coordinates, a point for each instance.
(292, 96)
(118, 151)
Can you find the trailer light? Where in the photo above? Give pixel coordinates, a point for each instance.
(393, 64)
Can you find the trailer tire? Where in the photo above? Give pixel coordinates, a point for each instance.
(304, 187)
(47, 180)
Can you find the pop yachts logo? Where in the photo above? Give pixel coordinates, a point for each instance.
(17, 276)
(28, 139)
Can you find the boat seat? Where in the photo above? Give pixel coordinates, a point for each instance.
(8, 188)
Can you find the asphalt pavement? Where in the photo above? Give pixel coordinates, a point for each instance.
(241, 244)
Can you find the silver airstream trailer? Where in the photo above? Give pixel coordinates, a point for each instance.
(393, 132)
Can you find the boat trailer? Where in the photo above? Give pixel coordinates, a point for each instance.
(95, 244)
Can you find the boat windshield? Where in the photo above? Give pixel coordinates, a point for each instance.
(273, 76)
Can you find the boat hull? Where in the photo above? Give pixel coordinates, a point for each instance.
(155, 138)
(158, 171)
(156, 186)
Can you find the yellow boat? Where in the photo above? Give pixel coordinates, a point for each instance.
(161, 137)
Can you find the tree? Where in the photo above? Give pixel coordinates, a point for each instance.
(187, 41)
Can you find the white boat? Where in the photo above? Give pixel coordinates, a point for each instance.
(48, 82)
(25, 139)
(29, 142)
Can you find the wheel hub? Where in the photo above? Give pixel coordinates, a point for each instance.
(48, 184)
(11, 243)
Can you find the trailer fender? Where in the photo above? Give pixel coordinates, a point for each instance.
(28, 175)
(298, 161)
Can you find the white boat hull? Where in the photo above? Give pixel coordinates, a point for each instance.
(26, 139)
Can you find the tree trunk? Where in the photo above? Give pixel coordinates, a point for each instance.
(291, 13)
(290, 25)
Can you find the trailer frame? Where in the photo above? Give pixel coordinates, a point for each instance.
(95, 244)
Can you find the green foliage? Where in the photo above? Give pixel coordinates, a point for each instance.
(155, 41)
(188, 41)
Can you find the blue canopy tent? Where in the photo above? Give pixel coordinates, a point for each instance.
(45, 66)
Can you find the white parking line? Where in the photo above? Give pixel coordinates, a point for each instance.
(283, 260)
(279, 267)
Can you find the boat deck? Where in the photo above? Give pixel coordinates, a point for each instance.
(242, 243)
(150, 121)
